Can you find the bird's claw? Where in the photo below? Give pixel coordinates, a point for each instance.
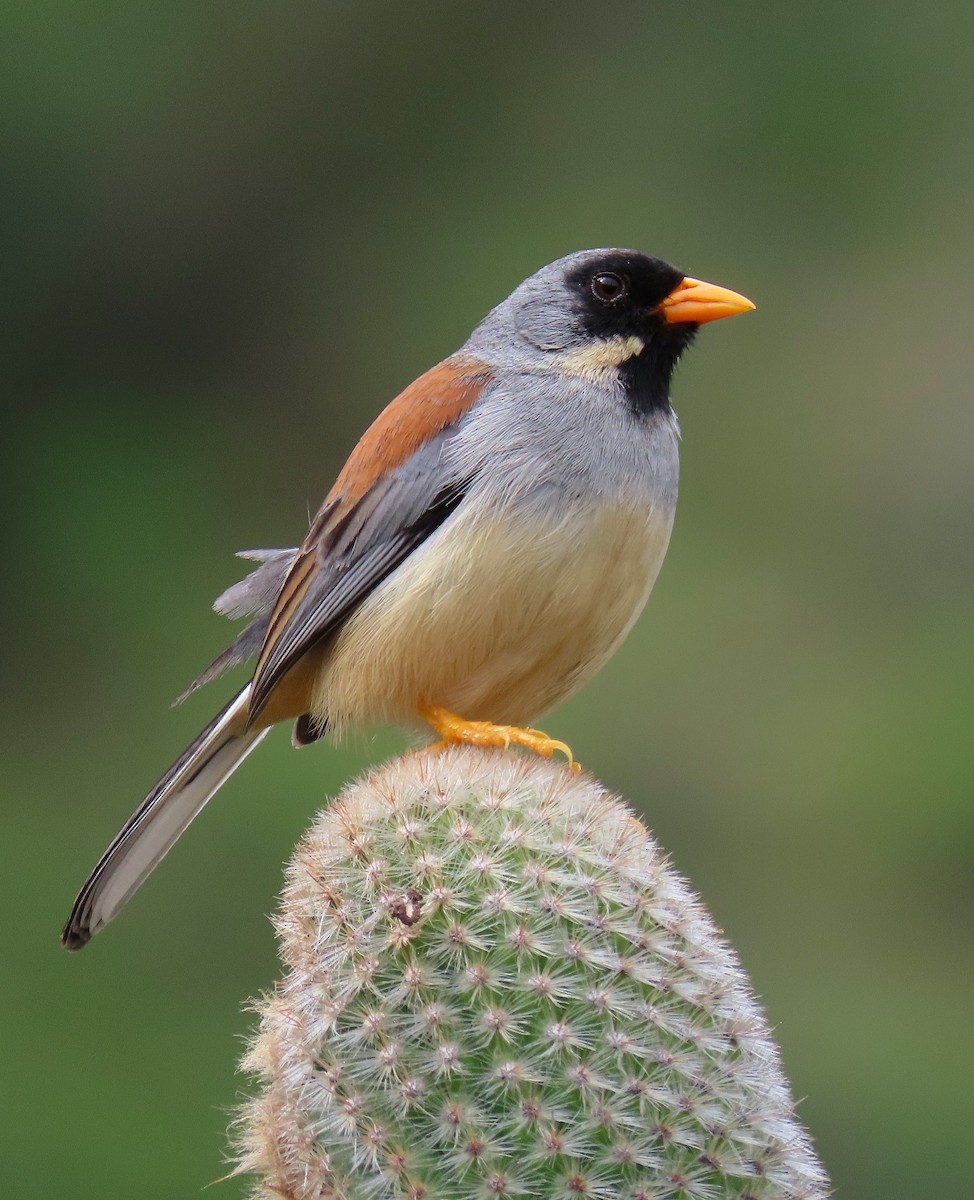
(453, 729)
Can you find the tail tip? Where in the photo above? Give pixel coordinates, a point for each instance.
(75, 935)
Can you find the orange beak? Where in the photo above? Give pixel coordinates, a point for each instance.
(699, 302)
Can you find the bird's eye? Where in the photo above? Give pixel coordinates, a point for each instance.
(607, 286)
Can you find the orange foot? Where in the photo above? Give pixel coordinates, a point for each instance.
(452, 728)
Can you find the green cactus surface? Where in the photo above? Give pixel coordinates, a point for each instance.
(496, 986)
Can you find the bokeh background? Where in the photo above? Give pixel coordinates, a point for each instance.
(229, 234)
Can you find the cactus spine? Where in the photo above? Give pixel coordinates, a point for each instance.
(496, 987)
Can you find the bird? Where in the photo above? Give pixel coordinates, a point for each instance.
(485, 549)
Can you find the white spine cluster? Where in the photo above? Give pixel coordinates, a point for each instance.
(496, 987)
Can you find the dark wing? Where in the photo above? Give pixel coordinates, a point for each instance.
(398, 486)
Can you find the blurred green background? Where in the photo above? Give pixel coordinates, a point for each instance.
(229, 234)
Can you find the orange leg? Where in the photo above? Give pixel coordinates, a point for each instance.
(452, 728)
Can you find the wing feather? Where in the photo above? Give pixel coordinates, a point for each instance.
(398, 486)
(253, 596)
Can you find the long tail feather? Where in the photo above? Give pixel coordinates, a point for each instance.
(152, 830)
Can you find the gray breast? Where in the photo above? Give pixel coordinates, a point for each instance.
(569, 438)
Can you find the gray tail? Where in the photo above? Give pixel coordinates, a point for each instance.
(153, 829)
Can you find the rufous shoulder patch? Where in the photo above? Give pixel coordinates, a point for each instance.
(435, 400)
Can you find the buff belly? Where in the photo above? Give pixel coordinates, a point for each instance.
(495, 620)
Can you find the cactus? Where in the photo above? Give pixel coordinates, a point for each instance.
(497, 987)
